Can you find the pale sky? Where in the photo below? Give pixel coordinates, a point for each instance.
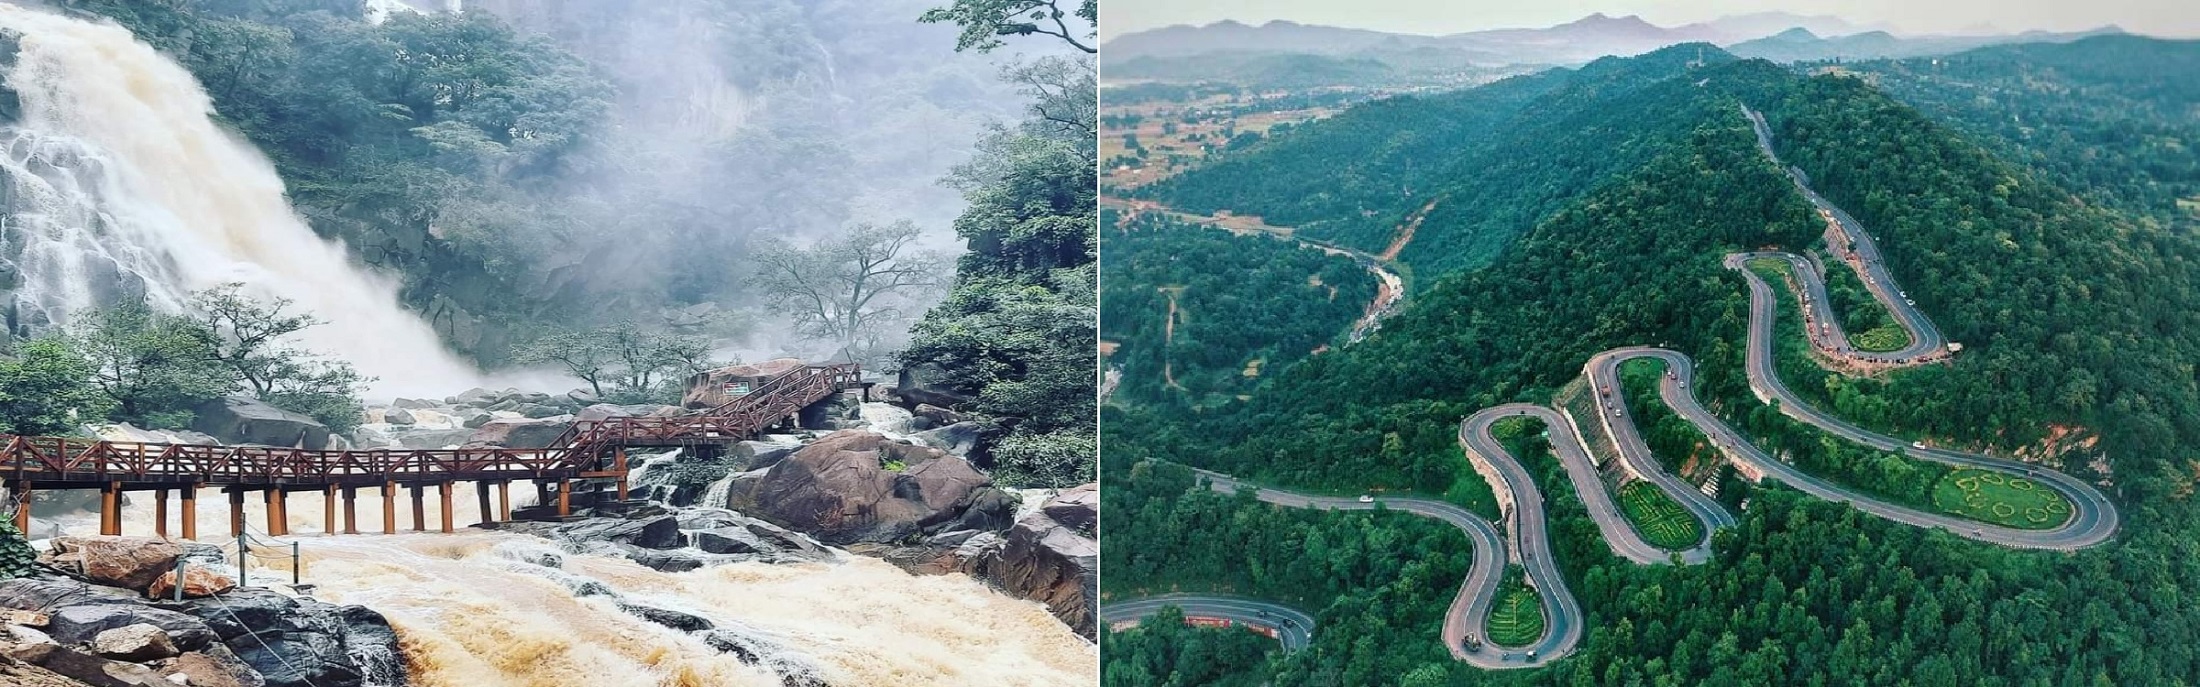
(2174, 18)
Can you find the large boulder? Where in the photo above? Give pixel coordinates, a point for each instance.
(197, 583)
(520, 433)
(959, 438)
(127, 562)
(859, 486)
(134, 643)
(1078, 508)
(301, 642)
(1050, 561)
(243, 420)
(660, 532)
(927, 383)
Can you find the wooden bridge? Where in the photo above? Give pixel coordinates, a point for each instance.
(591, 452)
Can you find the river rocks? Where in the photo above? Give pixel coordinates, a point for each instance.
(134, 643)
(77, 612)
(205, 670)
(412, 403)
(517, 433)
(242, 420)
(474, 419)
(757, 455)
(859, 486)
(839, 411)
(939, 417)
(959, 438)
(87, 669)
(127, 562)
(398, 416)
(660, 532)
(928, 384)
(684, 622)
(1045, 559)
(728, 540)
(300, 642)
(198, 582)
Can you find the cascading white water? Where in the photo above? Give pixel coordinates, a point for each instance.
(118, 182)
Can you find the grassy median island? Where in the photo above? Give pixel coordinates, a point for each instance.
(1516, 617)
(1661, 520)
(2002, 499)
(1869, 323)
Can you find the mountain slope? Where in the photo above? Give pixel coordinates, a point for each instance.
(2078, 322)
(1493, 160)
(2111, 116)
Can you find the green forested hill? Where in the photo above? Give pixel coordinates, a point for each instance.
(1233, 326)
(1485, 164)
(2076, 314)
(2116, 117)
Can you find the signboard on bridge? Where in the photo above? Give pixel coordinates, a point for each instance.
(740, 388)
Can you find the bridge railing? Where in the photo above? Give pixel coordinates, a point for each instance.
(581, 448)
(79, 459)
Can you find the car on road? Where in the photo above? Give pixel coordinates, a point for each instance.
(1367, 498)
(1917, 444)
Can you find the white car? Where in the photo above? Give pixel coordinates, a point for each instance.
(1367, 498)
(1917, 444)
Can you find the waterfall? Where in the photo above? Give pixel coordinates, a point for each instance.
(119, 184)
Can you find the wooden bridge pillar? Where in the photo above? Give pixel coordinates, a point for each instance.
(444, 489)
(565, 498)
(542, 493)
(619, 464)
(160, 513)
(351, 510)
(236, 513)
(389, 508)
(110, 509)
(504, 501)
(23, 507)
(190, 513)
(328, 509)
(277, 525)
(481, 498)
(420, 508)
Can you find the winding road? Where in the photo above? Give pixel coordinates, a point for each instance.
(2093, 519)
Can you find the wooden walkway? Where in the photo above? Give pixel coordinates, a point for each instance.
(592, 452)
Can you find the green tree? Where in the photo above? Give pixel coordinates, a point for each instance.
(152, 366)
(46, 388)
(623, 363)
(984, 22)
(854, 289)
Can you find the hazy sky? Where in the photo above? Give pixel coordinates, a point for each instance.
(2179, 18)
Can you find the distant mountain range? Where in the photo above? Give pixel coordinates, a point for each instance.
(1779, 36)
(1801, 45)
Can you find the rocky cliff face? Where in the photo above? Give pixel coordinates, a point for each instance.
(1051, 555)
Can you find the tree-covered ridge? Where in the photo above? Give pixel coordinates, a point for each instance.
(2074, 318)
(1484, 165)
(2109, 116)
(1161, 652)
(1016, 333)
(1244, 306)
